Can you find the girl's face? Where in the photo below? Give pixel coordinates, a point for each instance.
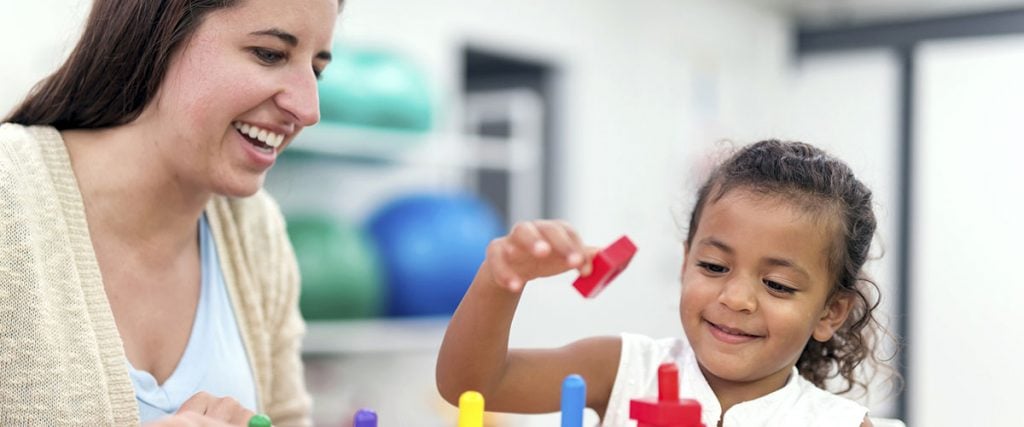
(755, 287)
(252, 65)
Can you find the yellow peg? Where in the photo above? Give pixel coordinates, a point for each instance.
(471, 409)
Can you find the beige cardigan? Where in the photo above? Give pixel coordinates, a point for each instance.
(61, 357)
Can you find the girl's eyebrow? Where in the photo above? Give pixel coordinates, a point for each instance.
(289, 39)
(715, 243)
(773, 261)
(783, 262)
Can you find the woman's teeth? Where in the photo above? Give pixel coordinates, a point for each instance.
(262, 135)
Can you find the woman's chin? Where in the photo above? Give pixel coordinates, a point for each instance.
(242, 188)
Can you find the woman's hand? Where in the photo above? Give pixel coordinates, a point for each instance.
(220, 409)
(536, 249)
(188, 419)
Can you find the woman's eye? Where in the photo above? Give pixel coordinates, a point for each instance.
(268, 56)
(778, 287)
(713, 268)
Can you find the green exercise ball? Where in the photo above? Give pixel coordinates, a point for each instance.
(374, 88)
(341, 274)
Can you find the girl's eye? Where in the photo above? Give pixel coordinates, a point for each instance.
(712, 268)
(318, 72)
(778, 287)
(268, 56)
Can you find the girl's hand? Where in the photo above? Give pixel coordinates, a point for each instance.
(223, 409)
(536, 249)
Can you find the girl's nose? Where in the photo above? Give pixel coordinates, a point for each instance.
(738, 294)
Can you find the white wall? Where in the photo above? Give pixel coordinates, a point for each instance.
(647, 89)
(847, 103)
(35, 37)
(965, 366)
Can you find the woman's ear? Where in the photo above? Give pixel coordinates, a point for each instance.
(836, 312)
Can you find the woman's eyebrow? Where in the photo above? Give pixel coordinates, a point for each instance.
(289, 39)
(285, 36)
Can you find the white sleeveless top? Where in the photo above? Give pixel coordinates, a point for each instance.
(798, 403)
(214, 360)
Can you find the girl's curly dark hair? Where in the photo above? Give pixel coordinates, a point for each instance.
(825, 185)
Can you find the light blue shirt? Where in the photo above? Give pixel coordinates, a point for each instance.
(214, 361)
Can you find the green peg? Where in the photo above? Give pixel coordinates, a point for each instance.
(259, 420)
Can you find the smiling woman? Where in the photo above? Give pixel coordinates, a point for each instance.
(145, 275)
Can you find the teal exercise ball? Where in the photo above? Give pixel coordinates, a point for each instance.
(431, 246)
(340, 270)
(374, 88)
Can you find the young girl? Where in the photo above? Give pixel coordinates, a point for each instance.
(773, 302)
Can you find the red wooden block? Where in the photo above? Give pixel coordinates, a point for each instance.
(608, 263)
(668, 410)
(657, 413)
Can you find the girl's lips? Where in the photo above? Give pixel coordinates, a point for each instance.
(729, 335)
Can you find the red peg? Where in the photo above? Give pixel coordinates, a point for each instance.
(668, 382)
(668, 410)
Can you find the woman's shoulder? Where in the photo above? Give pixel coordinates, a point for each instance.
(26, 149)
(13, 133)
(14, 139)
(33, 162)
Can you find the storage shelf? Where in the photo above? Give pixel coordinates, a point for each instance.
(353, 337)
(361, 144)
(405, 148)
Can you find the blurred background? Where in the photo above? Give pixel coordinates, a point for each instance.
(446, 121)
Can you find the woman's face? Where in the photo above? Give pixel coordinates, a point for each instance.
(236, 93)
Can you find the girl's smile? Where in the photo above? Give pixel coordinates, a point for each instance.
(730, 335)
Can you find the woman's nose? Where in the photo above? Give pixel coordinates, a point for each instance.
(300, 98)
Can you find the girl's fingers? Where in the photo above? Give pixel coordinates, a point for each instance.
(589, 252)
(526, 235)
(535, 249)
(571, 231)
(559, 235)
(502, 273)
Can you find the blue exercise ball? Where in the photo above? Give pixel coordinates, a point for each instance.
(431, 246)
